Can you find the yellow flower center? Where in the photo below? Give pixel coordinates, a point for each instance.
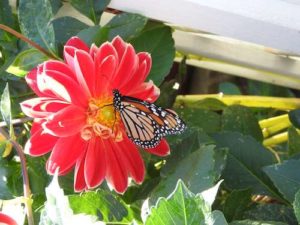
(102, 121)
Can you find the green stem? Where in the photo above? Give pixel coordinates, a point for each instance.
(25, 39)
(27, 192)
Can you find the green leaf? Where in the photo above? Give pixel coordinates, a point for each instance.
(296, 205)
(271, 212)
(160, 44)
(294, 116)
(293, 141)
(103, 204)
(267, 89)
(229, 88)
(245, 160)
(182, 207)
(5, 108)
(126, 25)
(210, 103)
(92, 9)
(57, 210)
(286, 177)
(55, 5)
(6, 18)
(241, 119)
(236, 203)
(34, 19)
(5, 192)
(95, 34)
(216, 218)
(197, 170)
(201, 118)
(67, 27)
(25, 61)
(252, 222)
(37, 174)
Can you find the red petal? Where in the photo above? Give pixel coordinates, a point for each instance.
(132, 158)
(94, 166)
(84, 68)
(146, 91)
(31, 79)
(65, 154)
(116, 174)
(104, 73)
(162, 149)
(7, 220)
(66, 122)
(141, 73)
(69, 53)
(79, 180)
(77, 43)
(54, 65)
(127, 67)
(57, 85)
(42, 107)
(39, 142)
(119, 45)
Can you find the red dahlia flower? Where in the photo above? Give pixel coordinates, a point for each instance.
(71, 122)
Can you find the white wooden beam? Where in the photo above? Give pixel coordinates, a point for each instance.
(272, 23)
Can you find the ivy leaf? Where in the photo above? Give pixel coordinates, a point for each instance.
(104, 205)
(160, 44)
(34, 19)
(252, 222)
(92, 9)
(183, 207)
(57, 210)
(286, 177)
(126, 25)
(196, 170)
(25, 61)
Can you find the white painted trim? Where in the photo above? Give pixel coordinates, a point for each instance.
(272, 23)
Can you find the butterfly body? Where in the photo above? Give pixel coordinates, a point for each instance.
(146, 124)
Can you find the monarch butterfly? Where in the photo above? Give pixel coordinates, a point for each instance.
(146, 124)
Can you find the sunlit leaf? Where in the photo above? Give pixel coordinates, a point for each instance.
(103, 204)
(5, 108)
(25, 61)
(183, 207)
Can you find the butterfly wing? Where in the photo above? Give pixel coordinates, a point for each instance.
(140, 126)
(147, 123)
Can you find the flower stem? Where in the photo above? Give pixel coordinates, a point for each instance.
(25, 39)
(27, 192)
